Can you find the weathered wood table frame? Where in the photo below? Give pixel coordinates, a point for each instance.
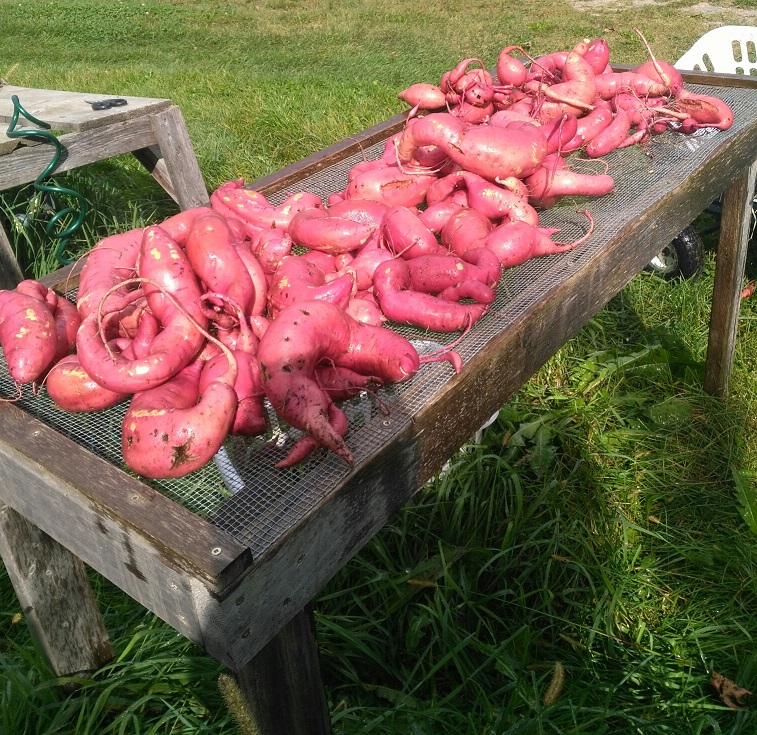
(153, 130)
(64, 508)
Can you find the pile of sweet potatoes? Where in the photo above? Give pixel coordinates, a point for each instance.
(575, 96)
(204, 320)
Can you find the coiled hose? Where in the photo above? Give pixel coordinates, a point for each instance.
(63, 237)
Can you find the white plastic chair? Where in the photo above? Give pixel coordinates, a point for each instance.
(724, 50)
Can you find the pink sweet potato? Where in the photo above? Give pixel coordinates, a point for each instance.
(423, 96)
(392, 283)
(216, 262)
(173, 429)
(72, 388)
(492, 152)
(28, 335)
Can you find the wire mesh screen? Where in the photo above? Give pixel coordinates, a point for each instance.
(242, 492)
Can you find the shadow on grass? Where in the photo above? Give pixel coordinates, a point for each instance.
(581, 570)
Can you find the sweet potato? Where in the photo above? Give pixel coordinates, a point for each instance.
(319, 229)
(173, 429)
(216, 262)
(436, 216)
(465, 230)
(405, 234)
(554, 180)
(295, 342)
(510, 71)
(516, 242)
(422, 96)
(250, 416)
(492, 152)
(112, 261)
(390, 185)
(165, 270)
(297, 279)
(496, 202)
(706, 110)
(270, 247)
(73, 389)
(611, 137)
(400, 304)
(306, 334)
(28, 335)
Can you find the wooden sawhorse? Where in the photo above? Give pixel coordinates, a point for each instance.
(152, 129)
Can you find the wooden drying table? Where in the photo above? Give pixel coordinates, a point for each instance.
(237, 578)
(152, 129)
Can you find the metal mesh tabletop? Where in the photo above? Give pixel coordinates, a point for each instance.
(241, 491)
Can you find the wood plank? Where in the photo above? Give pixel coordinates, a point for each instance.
(289, 175)
(26, 163)
(85, 489)
(7, 144)
(735, 227)
(283, 682)
(10, 273)
(180, 161)
(55, 594)
(152, 159)
(71, 111)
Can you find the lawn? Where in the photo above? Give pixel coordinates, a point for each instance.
(586, 566)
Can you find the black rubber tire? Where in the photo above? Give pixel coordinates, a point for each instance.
(682, 258)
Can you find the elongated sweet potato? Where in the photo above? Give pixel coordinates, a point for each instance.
(28, 335)
(319, 229)
(390, 185)
(250, 417)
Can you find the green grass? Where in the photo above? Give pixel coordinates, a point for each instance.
(598, 533)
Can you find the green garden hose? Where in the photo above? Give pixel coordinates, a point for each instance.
(79, 214)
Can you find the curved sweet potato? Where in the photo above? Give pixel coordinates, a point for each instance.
(250, 416)
(173, 429)
(165, 269)
(392, 282)
(112, 261)
(492, 152)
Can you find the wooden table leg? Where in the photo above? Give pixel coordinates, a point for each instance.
(735, 226)
(10, 273)
(172, 162)
(55, 595)
(283, 685)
